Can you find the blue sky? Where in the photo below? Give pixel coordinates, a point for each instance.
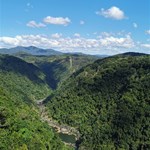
(88, 26)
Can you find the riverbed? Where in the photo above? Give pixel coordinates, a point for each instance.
(67, 138)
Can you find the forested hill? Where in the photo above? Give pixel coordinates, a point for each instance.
(22, 76)
(20, 127)
(58, 68)
(109, 102)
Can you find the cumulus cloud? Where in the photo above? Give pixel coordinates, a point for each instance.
(56, 35)
(148, 32)
(82, 22)
(33, 24)
(77, 35)
(146, 45)
(113, 12)
(9, 41)
(135, 25)
(105, 34)
(57, 20)
(107, 45)
(122, 42)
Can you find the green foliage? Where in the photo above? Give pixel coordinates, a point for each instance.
(24, 77)
(109, 102)
(58, 68)
(20, 125)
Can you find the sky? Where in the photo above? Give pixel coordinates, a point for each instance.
(88, 26)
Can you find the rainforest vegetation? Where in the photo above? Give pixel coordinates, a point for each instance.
(107, 100)
(21, 84)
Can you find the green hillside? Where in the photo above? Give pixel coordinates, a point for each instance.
(58, 68)
(109, 102)
(23, 77)
(20, 127)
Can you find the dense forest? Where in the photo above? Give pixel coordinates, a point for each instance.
(108, 102)
(74, 74)
(58, 68)
(21, 84)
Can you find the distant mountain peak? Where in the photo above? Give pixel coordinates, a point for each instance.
(31, 50)
(132, 54)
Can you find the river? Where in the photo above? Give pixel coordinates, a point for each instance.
(67, 134)
(67, 138)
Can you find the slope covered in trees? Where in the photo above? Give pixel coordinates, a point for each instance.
(23, 77)
(58, 68)
(108, 102)
(20, 127)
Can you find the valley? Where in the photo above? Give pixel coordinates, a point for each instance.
(108, 102)
(76, 101)
(69, 135)
(22, 123)
(74, 74)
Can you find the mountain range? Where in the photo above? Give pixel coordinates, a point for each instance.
(29, 50)
(108, 101)
(105, 99)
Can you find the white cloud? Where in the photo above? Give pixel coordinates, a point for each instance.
(148, 32)
(103, 45)
(135, 25)
(106, 34)
(122, 42)
(146, 45)
(56, 35)
(82, 22)
(57, 20)
(77, 35)
(33, 24)
(9, 41)
(113, 12)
